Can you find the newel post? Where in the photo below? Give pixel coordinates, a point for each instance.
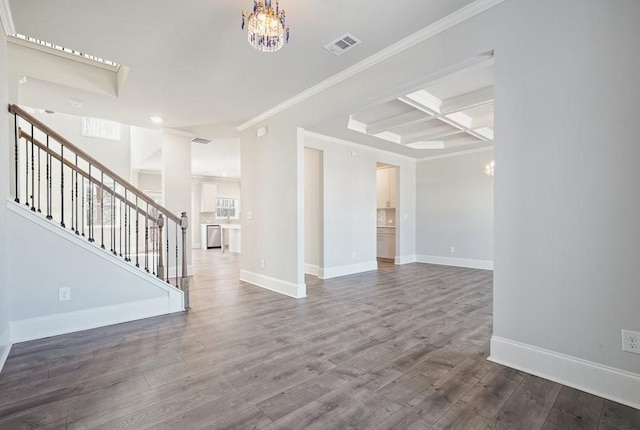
(160, 263)
(184, 223)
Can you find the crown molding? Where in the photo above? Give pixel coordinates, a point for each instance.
(456, 154)
(6, 18)
(426, 33)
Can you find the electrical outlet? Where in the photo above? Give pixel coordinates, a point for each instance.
(64, 294)
(353, 254)
(452, 249)
(631, 341)
(262, 264)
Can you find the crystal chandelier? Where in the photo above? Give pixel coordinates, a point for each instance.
(489, 169)
(267, 28)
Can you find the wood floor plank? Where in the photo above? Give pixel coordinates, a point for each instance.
(403, 347)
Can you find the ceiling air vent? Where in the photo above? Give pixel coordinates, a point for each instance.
(343, 44)
(200, 140)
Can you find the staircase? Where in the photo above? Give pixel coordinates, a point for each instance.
(64, 186)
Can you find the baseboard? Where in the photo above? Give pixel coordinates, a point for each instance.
(405, 259)
(457, 262)
(604, 381)
(290, 289)
(5, 344)
(349, 269)
(311, 269)
(69, 322)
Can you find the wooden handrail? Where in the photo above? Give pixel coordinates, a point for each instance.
(86, 175)
(17, 110)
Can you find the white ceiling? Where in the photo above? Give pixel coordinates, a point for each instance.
(190, 63)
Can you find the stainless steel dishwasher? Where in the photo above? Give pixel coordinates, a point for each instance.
(213, 236)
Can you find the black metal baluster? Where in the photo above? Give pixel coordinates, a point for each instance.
(177, 285)
(146, 239)
(15, 155)
(113, 219)
(39, 192)
(72, 200)
(102, 223)
(62, 185)
(77, 205)
(128, 241)
(84, 214)
(126, 210)
(33, 174)
(154, 239)
(49, 181)
(91, 206)
(26, 169)
(137, 233)
(167, 259)
(120, 223)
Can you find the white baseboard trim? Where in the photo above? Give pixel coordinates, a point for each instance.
(457, 262)
(5, 344)
(311, 269)
(297, 291)
(69, 322)
(405, 259)
(604, 381)
(349, 269)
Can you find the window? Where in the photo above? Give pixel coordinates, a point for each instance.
(101, 206)
(95, 127)
(227, 208)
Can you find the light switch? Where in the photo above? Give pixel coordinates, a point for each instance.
(249, 215)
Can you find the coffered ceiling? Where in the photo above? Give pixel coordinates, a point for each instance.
(453, 111)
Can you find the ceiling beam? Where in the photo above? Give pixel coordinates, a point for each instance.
(436, 133)
(407, 118)
(468, 100)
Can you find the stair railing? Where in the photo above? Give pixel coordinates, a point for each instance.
(57, 179)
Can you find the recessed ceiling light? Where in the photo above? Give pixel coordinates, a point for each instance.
(156, 119)
(75, 103)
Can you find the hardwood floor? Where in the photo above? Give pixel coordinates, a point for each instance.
(401, 348)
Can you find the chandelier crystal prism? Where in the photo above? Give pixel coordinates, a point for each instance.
(267, 30)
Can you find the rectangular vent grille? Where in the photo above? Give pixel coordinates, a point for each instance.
(200, 140)
(342, 44)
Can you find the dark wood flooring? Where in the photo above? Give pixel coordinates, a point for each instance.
(401, 348)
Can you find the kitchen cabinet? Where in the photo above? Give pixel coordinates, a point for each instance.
(386, 243)
(209, 193)
(387, 187)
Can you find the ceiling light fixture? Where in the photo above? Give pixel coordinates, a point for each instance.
(267, 28)
(489, 169)
(156, 119)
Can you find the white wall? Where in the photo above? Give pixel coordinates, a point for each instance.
(455, 208)
(150, 182)
(272, 188)
(567, 212)
(350, 206)
(113, 154)
(313, 218)
(44, 257)
(4, 194)
(176, 194)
